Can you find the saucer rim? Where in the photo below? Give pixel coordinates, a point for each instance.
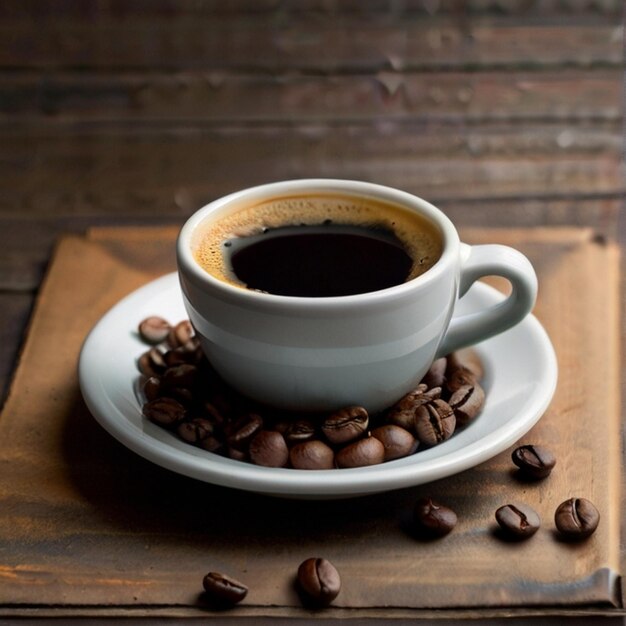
(205, 466)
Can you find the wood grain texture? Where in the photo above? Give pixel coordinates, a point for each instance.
(51, 171)
(114, 530)
(226, 96)
(332, 45)
(309, 36)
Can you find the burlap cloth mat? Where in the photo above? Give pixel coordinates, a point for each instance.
(86, 525)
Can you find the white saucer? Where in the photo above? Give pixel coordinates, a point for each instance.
(520, 379)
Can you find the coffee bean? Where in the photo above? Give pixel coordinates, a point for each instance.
(151, 363)
(211, 444)
(576, 518)
(534, 461)
(164, 411)
(403, 412)
(467, 402)
(432, 519)
(212, 413)
(152, 388)
(434, 422)
(299, 431)
(180, 334)
(345, 425)
(312, 455)
(518, 521)
(368, 451)
(436, 375)
(236, 455)
(243, 430)
(467, 359)
(461, 377)
(154, 329)
(192, 345)
(224, 589)
(195, 430)
(184, 396)
(268, 448)
(397, 441)
(178, 356)
(319, 580)
(180, 376)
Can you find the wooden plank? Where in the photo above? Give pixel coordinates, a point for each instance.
(260, 8)
(50, 172)
(568, 94)
(173, 9)
(322, 42)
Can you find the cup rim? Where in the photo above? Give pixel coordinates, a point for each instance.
(188, 265)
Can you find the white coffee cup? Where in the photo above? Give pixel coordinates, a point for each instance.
(369, 349)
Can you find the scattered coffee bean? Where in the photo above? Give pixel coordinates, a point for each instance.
(432, 519)
(436, 375)
(576, 518)
(345, 425)
(368, 451)
(312, 455)
(397, 441)
(164, 411)
(518, 521)
(224, 589)
(319, 580)
(154, 329)
(534, 461)
(268, 448)
(467, 402)
(434, 422)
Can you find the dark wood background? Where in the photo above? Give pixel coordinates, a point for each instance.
(138, 112)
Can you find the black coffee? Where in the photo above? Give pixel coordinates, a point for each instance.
(316, 245)
(331, 260)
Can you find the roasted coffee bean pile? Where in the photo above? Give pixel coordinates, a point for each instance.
(185, 395)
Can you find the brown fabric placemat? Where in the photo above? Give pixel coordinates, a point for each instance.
(87, 524)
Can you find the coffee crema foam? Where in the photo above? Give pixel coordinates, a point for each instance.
(212, 238)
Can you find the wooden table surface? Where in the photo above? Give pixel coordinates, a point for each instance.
(112, 112)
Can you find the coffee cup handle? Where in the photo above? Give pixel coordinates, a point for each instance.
(491, 260)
